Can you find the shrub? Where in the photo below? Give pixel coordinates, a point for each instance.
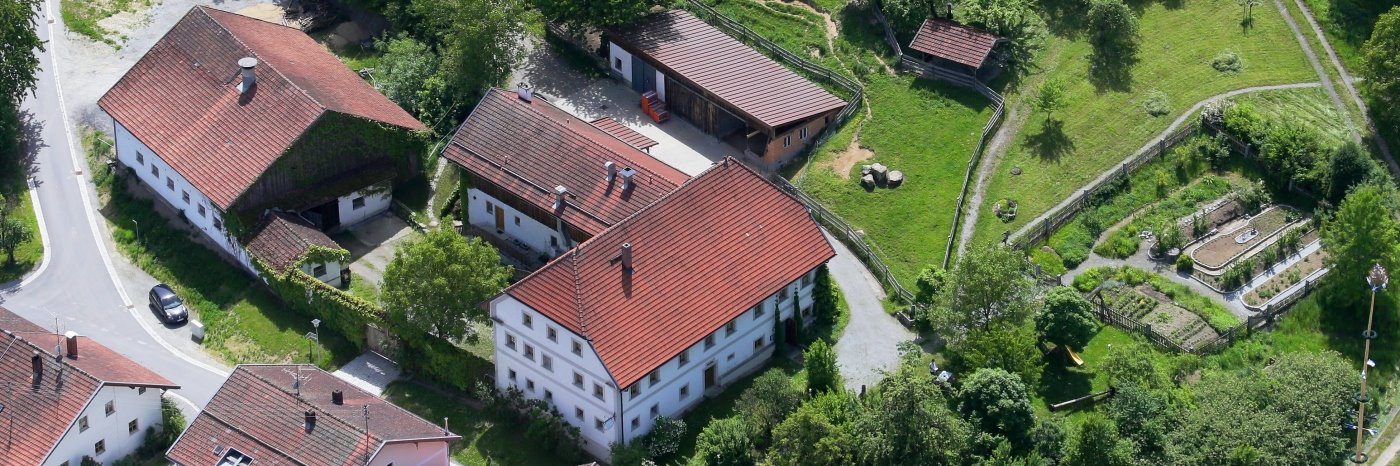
(822, 373)
(1049, 262)
(725, 442)
(1157, 103)
(1185, 264)
(543, 423)
(627, 455)
(665, 436)
(1228, 62)
(1122, 244)
(1072, 243)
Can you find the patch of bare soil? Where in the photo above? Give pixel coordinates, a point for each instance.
(847, 159)
(269, 12)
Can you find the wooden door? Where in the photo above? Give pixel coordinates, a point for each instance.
(709, 377)
(500, 220)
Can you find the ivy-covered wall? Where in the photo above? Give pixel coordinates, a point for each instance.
(339, 154)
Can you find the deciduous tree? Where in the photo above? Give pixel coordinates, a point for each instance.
(1349, 165)
(1142, 417)
(1381, 66)
(480, 41)
(1133, 365)
(817, 434)
(999, 403)
(1007, 346)
(725, 442)
(766, 403)
(1067, 318)
(1113, 32)
(404, 70)
(1015, 20)
(18, 63)
(987, 285)
(435, 282)
(906, 421)
(1097, 443)
(822, 373)
(594, 14)
(1362, 233)
(1051, 97)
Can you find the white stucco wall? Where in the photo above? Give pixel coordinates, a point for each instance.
(517, 225)
(128, 148)
(733, 356)
(412, 454)
(376, 199)
(616, 53)
(332, 275)
(129, 404)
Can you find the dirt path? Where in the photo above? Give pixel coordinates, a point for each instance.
(1348, 84)
(1015, 118)
(1180, 120)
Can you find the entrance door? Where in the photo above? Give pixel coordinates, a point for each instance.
(638, 75)
(709, 377)
(500, 220)
(790, 331)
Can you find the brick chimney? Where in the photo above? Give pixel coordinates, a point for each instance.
(72, 338)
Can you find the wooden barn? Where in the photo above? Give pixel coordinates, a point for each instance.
(724, 87)
(950, 45)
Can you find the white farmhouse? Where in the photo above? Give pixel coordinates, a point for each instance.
(544, 180)
(662, 309)
(298, 414)
(68, 397)
(228, 117)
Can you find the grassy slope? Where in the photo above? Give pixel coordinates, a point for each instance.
(29, 254)
(924, 128)
(484, 438)
(1311, 107)
(1101, 128)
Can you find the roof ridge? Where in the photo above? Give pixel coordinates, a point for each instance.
(59, 359)
(204, 9)
(578, 293)
(594, 142)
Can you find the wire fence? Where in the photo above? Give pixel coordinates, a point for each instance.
(1056, 217)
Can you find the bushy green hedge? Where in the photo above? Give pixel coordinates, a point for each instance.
(346, 314)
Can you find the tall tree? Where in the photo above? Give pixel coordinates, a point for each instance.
(822, 373)
(905, 16)
(809, 437)
(435, 282)
(480, 41)
(1067, 318)
(987, 285)
(1098, 444)
(1051, 97)
(1142, 416)
(1289, 413)
(766, 403)
(1113, 32)
(594, 14)
(1349, 165)
(1381, 66)
(725, 442)
(999, 403)
(1291, 152)
(906, 421)
(1016, 20)
(404, 70)
(926, 286)
(824, 297)
(1362, 233)
(1007, 346)
(18, 62)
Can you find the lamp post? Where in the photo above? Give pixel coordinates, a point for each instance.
(138, 229)
(315, 336)
(1377, 279)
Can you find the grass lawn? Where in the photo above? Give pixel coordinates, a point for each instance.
(1177, 47)
(1312, 107)
(30, 253)
(484, 438)
(921, 127)
(246, 323)
(82, 17)
(1348, 27)
(1061, 382)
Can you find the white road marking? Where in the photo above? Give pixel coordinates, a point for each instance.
(96, 227)
(43, 239)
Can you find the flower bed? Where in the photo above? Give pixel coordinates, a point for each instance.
(1283, 280)
(1221, 250)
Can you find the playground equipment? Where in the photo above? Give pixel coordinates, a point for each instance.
(1074, 357)
(1092, 397)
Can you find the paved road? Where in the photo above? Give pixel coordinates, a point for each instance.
(75, 283)
(867, 348)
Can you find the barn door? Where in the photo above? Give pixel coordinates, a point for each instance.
(638, 75)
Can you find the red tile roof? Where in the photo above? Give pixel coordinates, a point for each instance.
(701, 256)
(41, 415)
(686, 48)
(952, 41)
(260, 414)
(181, 98)
(626, 134)
(528, 148)
(283, 237)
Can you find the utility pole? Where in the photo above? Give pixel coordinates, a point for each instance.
(1377, 279)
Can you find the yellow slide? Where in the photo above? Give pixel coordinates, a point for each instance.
(1074, 357)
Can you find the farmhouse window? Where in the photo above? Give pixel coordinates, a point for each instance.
(578, 380)
(99, 448)
(787, 140)
(709, 341)
(131, 427)
(319, 270)
(357, 203)
(185, 196)
(802, 134)
(685, 391)
(530, 353)
(578, 348)
(140, 159)
(655, 410)
(170, 183)
(684, 357)
(654, 377)
(635, 391)
(758, 343)
(510, 341)
(758, 311)
(547, 362)
(617, 64)
(730, 328)
(527, 320)
(111, 408)
(552, 334)
(155, 171)
(217, 223)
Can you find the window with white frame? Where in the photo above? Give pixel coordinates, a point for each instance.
(530, 353)
(155, 171)
(636, 422)
(684, 358)
(598, 424)
(526, 320)
(758, 311)
(140, 159)
(201, 210)
(185, 196)
(654, 377)
(551, 334)
(597, 391)
(685, 391)
(578, 380)
(578, 348)
(530, 385)
(634, 391)
(709, 341)
(170, 183)
(578, 412)
(547, 362)
(787, 140)
(730, 328)
(510, 341)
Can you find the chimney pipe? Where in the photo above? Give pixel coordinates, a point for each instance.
(338, 397)
(72, 338)
(38, 363)
(626, 258)
(310, 421)
(627, 174)
(525, 93)
(249, 77)
(559, 192)
(612, 170)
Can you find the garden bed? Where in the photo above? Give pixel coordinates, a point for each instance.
(1290, 276)
(1226, 247)
(1213, 313)
(1161, 216)
(1145, 304)
(1241, 271)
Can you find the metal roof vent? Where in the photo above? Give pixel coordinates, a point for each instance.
(612, 170)
(249, 77)
(525, 93)
(627, 174)
(310, 421)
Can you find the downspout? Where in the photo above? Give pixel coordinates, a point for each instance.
(621, 436)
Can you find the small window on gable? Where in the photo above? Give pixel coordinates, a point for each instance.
(552, 334)
(357, 203)
(141, 391)
(617, 64)
(526, 320)
(140, 159)
(578, 348)
(82, 424)
(110, 408)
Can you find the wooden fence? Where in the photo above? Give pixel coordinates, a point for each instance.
(1052, 220)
